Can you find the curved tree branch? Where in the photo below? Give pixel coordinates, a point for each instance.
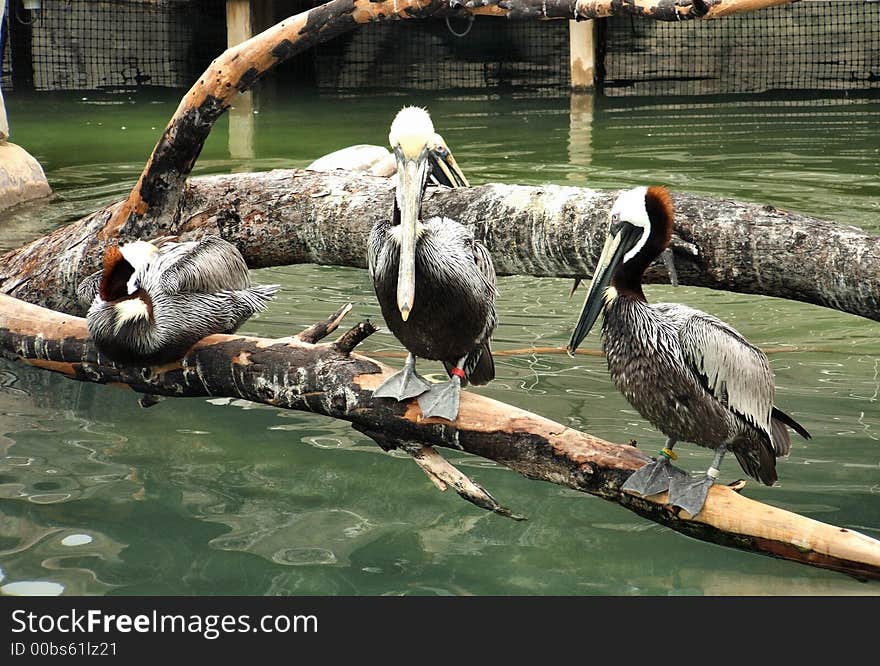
(287, 217)
(328, 379)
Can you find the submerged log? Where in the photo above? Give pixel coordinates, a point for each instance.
(288, 217)
(329, 379)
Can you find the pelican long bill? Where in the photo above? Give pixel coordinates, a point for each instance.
(411, 174)
(444, 168)
(616, 246)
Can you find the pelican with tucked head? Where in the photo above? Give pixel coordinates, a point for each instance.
(434, 282)
(691, 375)
(152, 301)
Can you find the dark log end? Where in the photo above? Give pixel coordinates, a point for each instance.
(701, 7)
(322, 329)
(148, 400)
(346, 342)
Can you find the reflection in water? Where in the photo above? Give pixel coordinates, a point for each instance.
(220, 496)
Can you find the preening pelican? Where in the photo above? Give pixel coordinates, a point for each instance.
(691, 375)
(152, 301)
(434, 282)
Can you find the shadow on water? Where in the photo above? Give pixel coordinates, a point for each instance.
(216, 496)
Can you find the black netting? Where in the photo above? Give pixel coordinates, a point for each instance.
(438, 55)
(112, 44)
(810, 45)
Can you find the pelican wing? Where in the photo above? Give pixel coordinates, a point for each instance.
(88, 289)
(479, 365)
(206, 266)
(486, 269)
(483, 260)
(734, 371)
(378, 238)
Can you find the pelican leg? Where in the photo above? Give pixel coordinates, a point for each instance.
(404, 384)
(690, 494)
(656, 476)
(442, 399)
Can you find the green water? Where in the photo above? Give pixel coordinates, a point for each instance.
(224, 497)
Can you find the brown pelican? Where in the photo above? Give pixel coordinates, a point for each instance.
(153, 300)
(379, 161)
(691, 375)
(434, 282)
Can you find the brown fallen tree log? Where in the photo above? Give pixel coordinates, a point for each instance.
(288, 217)
(295, 373)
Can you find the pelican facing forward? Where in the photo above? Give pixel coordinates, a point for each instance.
(691, 375)
(151, 302)
(434, 282)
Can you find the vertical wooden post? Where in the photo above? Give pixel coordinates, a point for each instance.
(239, 21)
(581, 54)
(239, 27)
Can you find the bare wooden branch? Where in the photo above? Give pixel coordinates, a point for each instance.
(292, 374)
(320, 330)
(346, 342)
(549, 230)
(443, 474)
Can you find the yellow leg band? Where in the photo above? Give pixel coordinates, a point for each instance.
(668, 453)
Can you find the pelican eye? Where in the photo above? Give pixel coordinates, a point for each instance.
(615, 223)
(442, 151)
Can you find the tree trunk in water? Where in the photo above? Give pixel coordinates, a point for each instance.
(289, 217)
(329, 379)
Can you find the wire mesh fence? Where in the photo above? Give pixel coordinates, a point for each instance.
(125, 44)
(112, 44)
(809, 45)
(483, 54)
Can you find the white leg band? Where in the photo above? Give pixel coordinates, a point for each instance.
(713, 473)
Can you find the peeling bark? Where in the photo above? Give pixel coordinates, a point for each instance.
(288, 217)
(326, 379)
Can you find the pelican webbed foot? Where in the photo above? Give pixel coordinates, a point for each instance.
(656, 476)
(403, 385)
(442, 400)
(690, 494)
(653, 478)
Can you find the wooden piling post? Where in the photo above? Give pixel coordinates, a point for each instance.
(582, 54)
(240, 28)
